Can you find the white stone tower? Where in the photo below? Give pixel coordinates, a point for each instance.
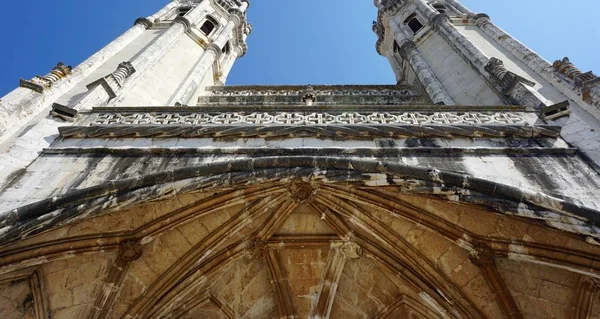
(459, 57)
(165, 59)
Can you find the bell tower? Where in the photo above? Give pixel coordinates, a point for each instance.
(164, 59)
(458, 57)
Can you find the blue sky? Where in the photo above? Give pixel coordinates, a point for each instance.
(294, 41)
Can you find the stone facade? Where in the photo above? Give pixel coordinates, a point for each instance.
(138, 185)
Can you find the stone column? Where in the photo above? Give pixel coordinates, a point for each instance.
(208, 58)
(457, 40)
(536, 62)
(165, 42)
(228, 65)
(96, 60)
(430, 82)
(506, 83)
(224, 35)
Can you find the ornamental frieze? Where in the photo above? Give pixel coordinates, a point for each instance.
(315, 118)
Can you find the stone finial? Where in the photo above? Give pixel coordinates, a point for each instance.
(569, 70)
(301, 192)
(248, 28)
(351, 250)
(130, 250)
(40, 83)
(309, 95)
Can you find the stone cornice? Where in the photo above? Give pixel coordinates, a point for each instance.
(335, 131)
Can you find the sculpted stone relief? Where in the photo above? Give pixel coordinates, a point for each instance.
(402, 92)
(316, 118)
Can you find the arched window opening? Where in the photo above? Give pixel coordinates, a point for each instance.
(227, 48)
(413, 23)
(396, 47)
(209, 25)
(183, 11)
(440, 8)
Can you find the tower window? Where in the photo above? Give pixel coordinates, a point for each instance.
(413, 23)
(227, 48)
(440, 8)
(209, 25)
(396, 47)
(183, 11)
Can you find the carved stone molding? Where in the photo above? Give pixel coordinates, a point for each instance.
(145, 22)
(506, 79)
(351, 250)
(309, 95)
(130, 250)
(587, 294)
(185, 22)
(257, 249)
(567, 69)
(483, 257)
(123, 71)
(301, 192)
(34, 303)
(41, 83)
(358, 132)
(309, 118)
(406, 47)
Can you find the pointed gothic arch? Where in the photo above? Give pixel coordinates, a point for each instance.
(347, 196)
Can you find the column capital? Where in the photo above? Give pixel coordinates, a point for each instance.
(406, 47)
(481, 16)
(214, 48)
(143, 22)
(505, 78)
(185, 22)
(440, 20)
(236, 16)
(351, 250)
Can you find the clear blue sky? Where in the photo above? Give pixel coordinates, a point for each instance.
(294, 41)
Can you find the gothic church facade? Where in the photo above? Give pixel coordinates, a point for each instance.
(139, 185)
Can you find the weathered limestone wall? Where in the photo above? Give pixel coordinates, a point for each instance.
(126, 54)
(458, 78)
(156, 86)
(58, 173)
(582, 127)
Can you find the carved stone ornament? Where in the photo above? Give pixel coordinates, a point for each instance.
(130, 250)
(482, 256)
(316, 118)
(40, 83)
(309, 96)
(351, 250)
(506, 79)
(257, 249)
(567, 69)
(302, 192)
